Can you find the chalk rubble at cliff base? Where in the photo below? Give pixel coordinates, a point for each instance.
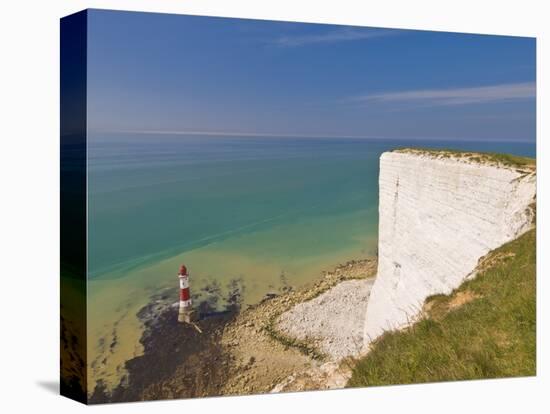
(333, 322)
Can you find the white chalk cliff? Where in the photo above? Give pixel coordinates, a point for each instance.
(438, 215)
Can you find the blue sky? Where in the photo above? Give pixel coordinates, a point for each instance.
(173, 73)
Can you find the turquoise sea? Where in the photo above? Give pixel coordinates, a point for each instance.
(260, 210)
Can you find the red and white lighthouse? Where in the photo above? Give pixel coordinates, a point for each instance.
(185, 309)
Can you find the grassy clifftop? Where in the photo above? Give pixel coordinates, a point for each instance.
(506, 160)
(485, 329)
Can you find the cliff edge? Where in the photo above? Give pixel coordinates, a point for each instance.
(439, 213)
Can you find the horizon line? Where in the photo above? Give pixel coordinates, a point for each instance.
(300, 135)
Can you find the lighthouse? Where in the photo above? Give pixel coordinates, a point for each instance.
(185, 309)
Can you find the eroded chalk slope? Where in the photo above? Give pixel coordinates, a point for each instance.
(438, 214)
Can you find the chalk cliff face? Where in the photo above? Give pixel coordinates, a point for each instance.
(438, 215)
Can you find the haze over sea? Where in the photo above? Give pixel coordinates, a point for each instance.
(262, 211)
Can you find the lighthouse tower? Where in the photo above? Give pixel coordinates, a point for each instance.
(185, 310)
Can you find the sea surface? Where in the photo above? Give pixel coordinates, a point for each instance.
(257, 212)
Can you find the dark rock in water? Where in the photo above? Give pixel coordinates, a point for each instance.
(178, 361)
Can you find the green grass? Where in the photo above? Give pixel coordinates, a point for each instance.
(508, 160)
(490, 336)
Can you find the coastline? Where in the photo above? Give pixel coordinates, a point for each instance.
(240, 350)
(255, 263)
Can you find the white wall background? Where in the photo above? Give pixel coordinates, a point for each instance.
(29, 175)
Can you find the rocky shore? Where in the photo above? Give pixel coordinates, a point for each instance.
(282, 361)
(252, 350)
(334, 321)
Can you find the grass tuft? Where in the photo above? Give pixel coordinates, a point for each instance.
(507, 160)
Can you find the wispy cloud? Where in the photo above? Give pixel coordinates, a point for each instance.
(457, 96)
(334, 36)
